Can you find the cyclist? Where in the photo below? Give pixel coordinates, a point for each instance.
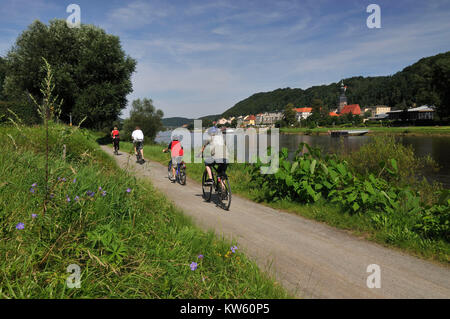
(218, 154)
(176, 153)
(116, 138)
(138, 141)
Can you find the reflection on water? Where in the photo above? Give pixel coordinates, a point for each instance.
(438, 147)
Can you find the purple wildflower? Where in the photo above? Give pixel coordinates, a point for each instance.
(33, 215)
(34, 185)
(128, 190)
(91, 194)
(74, 180)
(20, 226)
(76, 198)
(99, 188)
(52, 195)
(104, 193)
(200, 256)
(67, 198)
(63, 179)
(233, 249)
(32, 190)
(193, 266)
(59, 178)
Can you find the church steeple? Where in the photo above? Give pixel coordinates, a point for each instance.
(342, 98)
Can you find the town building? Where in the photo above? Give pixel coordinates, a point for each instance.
(377, 110)
(302, 112)
(355, 109)
(424, 112)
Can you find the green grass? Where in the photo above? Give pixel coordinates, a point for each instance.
(390, 232)
(128, 245)
(410, 130)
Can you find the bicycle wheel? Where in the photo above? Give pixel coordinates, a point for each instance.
(225, 194)
(169, 171)
(182, 179)
(207, 189)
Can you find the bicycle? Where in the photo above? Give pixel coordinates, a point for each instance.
(139, 146)
(180, 172)
(220, 185)
(116, 146)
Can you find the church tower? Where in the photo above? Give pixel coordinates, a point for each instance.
(342, 98)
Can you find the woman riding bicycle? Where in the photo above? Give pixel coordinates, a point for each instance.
(218, 153)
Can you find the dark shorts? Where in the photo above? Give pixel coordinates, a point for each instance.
(116, 141)
(139, 145)
(222, 165)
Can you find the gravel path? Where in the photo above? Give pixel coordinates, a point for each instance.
(310, 259)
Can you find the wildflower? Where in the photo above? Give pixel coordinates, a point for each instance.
(104, 193)
(20, 226)
(59, 178)
(52, 195)
(200, 256)
(32, 190)
(74, 180)
(91, 194)
(34, 185)
(33, 215)
(128, 190)
(233, 249)
(99, 188)
(76, 198)
(67, 198)
(193, 266)
(63, 179)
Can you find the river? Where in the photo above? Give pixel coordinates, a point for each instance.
(438, 147)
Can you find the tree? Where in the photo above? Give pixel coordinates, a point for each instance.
(91, 71)
(234, 123)
(289, 115)
(144, 115)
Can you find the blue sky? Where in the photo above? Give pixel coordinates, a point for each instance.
(198, 58)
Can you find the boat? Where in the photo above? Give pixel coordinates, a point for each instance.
(348, 133)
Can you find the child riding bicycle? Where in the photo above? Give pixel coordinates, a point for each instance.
(176, 154)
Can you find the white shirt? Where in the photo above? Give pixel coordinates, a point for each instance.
(217, 147)
(137, 135)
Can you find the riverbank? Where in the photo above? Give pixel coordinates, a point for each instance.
(408, 130)
(388, 233)
(128, 240)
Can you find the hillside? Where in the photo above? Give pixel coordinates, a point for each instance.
(425, 82)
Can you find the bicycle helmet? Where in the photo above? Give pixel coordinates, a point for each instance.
(213, 130)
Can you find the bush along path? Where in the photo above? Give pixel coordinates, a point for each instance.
(312, 260)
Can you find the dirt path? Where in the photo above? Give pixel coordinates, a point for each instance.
(310, 259)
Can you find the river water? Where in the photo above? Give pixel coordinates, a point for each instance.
(438, 147)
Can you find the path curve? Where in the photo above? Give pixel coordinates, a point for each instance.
(310, 259)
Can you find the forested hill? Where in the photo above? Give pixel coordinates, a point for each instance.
(425, 82)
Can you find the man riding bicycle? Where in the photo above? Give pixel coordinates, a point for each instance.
(138, 141)
(218, 153)
(116, 138)
(176, 154)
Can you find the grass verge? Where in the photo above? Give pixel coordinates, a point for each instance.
(128, 240)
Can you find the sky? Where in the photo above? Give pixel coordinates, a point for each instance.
(197, 58)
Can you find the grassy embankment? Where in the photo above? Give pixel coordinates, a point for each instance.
(373, 130)
(390, 233)
(128, 239)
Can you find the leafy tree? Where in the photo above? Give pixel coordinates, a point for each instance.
(91, 71)
(289, 115)
(144, 115)
(234, 123)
